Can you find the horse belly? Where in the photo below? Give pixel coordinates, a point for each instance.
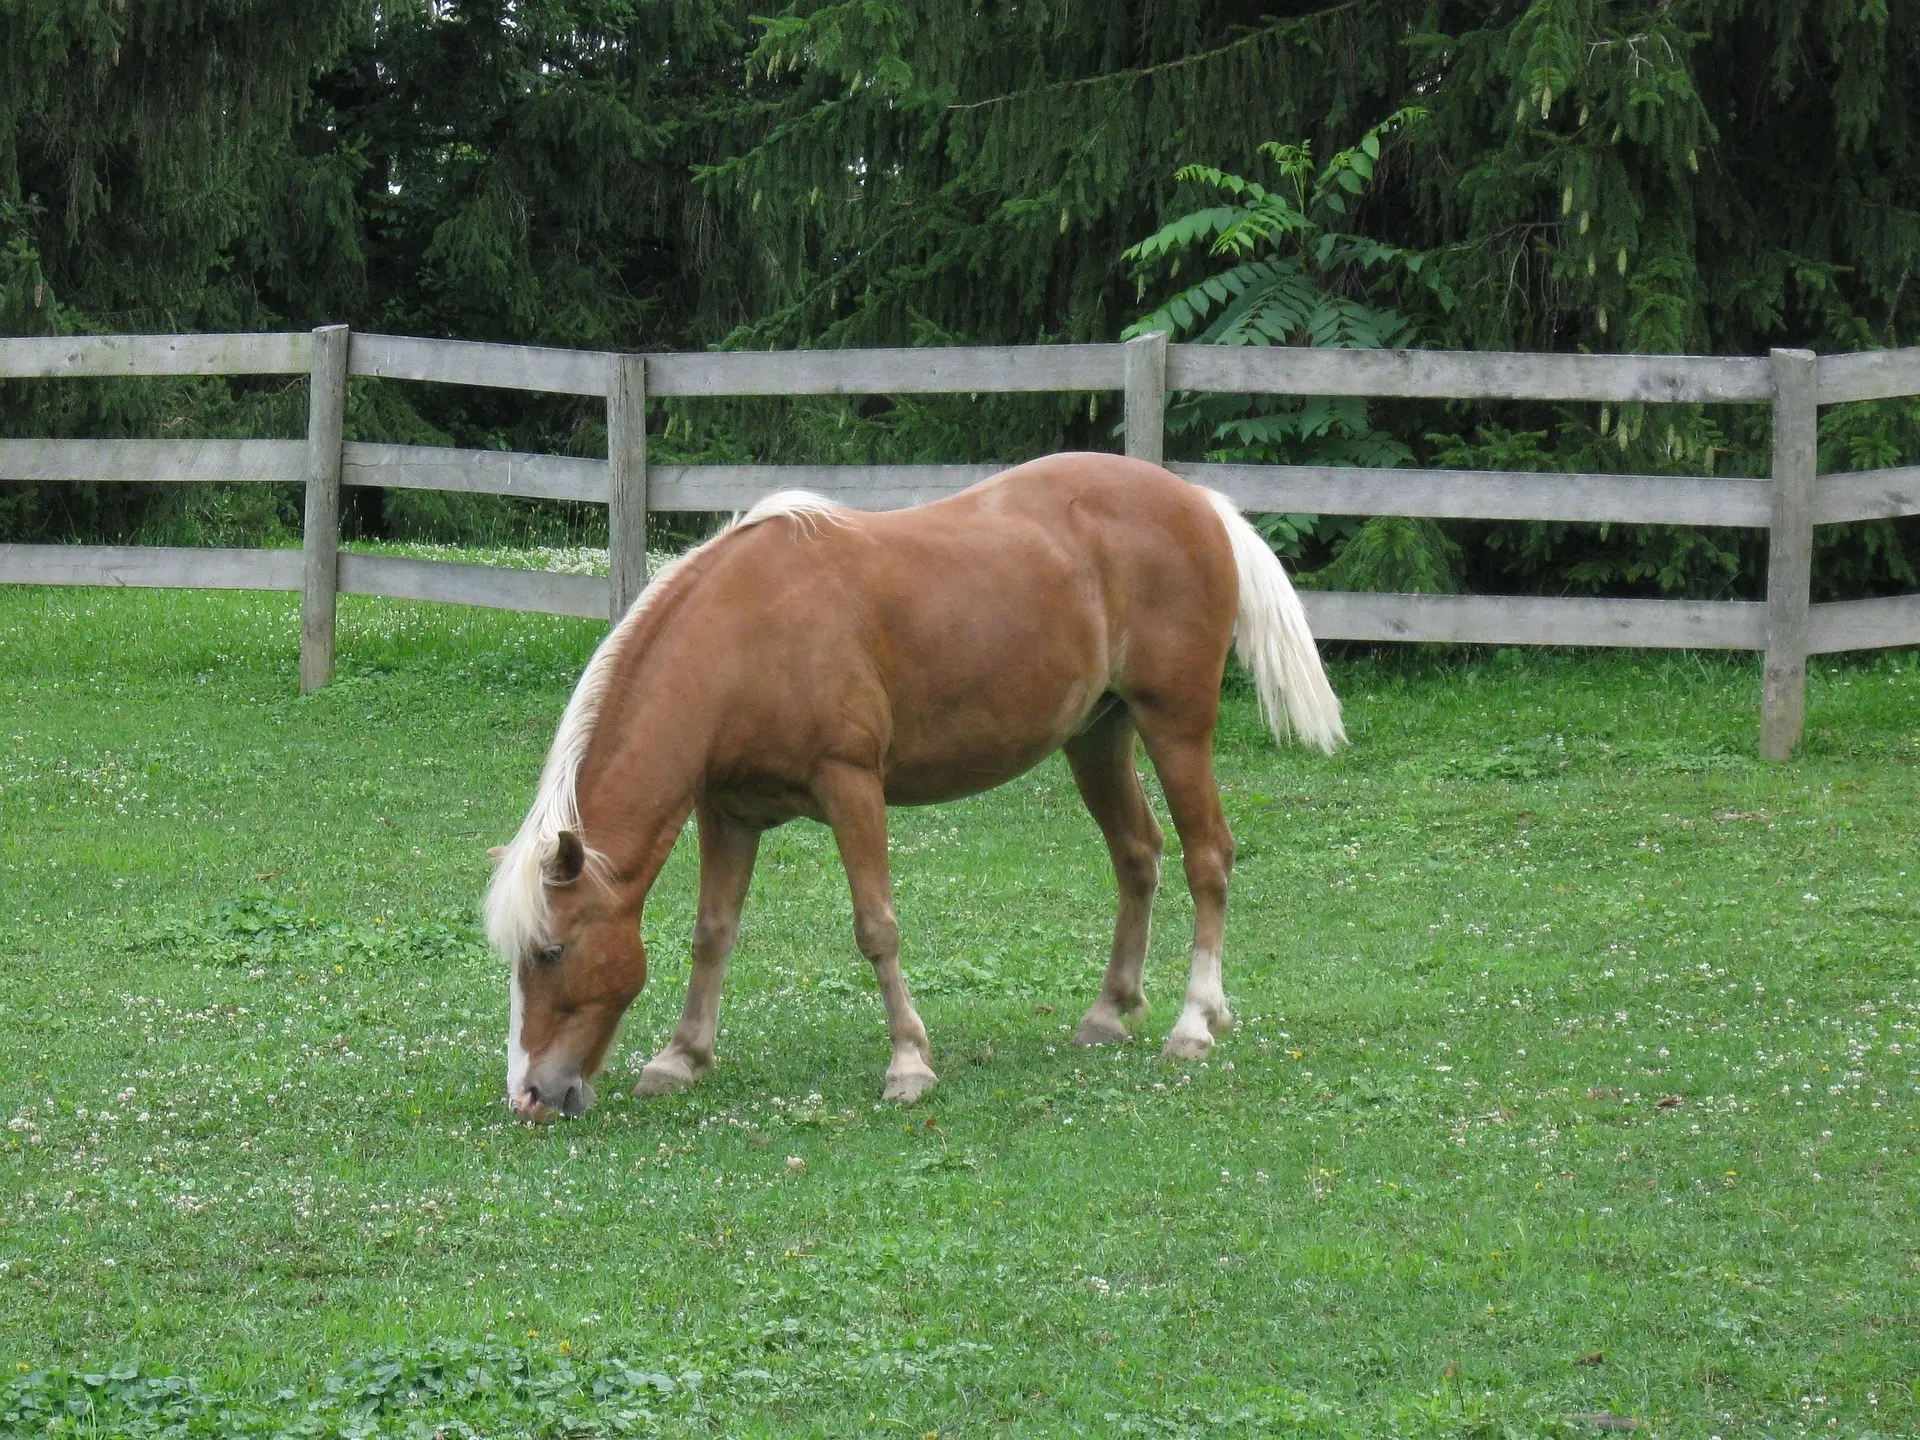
(972, 740)
(992, 648)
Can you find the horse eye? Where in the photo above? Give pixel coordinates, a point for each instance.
(550, 954)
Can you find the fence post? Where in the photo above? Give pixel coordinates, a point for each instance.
(320, 532)
(1145, 415)
(627, 476)
(1783, 687)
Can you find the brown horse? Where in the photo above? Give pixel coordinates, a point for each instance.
(819, 661)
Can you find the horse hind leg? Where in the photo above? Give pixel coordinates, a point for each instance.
(1183, 757)
(727, 850)
(1101, 759)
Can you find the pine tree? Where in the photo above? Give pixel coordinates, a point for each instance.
(1653, 175)
(477, 170)
(973, 172)
(143, 148)
(1648, 175)
(970, 174)
(139, 144)
(525, 175)
(1713, 176)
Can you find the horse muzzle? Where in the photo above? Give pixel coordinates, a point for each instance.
(542, 1103)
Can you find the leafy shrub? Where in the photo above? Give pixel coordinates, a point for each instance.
(1295, 278)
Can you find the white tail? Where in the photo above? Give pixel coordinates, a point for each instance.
(1271, 638)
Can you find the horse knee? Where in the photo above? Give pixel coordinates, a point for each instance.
(877, 934)
(1209, 864)
(1136, 865)
(713, 936)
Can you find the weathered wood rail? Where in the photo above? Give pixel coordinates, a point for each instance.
(1788, 504)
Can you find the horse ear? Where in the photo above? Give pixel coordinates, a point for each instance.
(496, 853)
(568, 860)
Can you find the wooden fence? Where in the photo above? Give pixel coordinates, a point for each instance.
(1794, 382)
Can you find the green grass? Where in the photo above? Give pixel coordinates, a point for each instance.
(252, 1048)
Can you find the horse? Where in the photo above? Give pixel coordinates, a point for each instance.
(817, 661)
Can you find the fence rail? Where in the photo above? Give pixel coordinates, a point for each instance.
(1453, 375)
(156, 460)
(1787, 505)
(73, 356)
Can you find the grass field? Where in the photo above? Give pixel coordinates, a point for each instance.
(1578, 1079)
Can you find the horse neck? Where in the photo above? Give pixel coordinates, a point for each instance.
(642, 773)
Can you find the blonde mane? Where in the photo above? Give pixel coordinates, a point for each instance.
(516, 903)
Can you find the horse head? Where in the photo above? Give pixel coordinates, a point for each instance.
(577, 965)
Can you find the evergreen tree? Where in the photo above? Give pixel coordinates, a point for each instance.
(972, 173)
(527, 168)
(144, 156)
(1652, 175)
(476, 170)
(1655, 176)
(142, 146)
(525, 175)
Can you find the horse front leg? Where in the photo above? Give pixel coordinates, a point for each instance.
(855, 804)
(727, 851)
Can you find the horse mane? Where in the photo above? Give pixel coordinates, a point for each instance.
(516, 903)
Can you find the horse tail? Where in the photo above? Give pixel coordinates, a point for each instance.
(1273, 642)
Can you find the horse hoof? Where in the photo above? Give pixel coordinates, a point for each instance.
(659, 1080)
(1096, 1032)
(1186, 1047)
(907, 1089)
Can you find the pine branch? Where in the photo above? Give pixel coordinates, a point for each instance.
(1145, 71)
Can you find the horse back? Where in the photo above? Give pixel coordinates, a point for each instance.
(955, 644)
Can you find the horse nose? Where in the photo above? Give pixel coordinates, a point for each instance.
(577, 1100)
(529, 1105)
(540, 1103)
